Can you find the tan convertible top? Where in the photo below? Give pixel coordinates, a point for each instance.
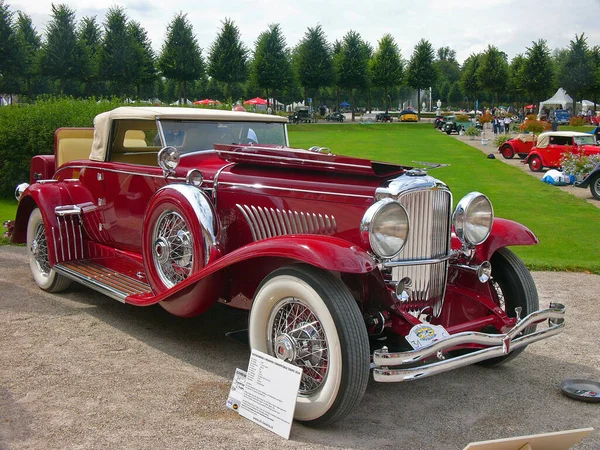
(544, 138)
(103, 121)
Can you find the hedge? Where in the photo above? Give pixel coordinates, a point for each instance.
(28, 130)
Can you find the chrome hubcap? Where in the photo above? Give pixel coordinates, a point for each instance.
(173, 248)
(297, 336)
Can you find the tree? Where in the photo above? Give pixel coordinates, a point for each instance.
(469, 83)
(228, 57)
(272, 62)
(118, 51)
(337, 62)
(493, 71)
(314, 61)
(8, 50)
(144, 71)
(577, 72)
(516, 77)
(353, 70)
(29, 43)
(538, 71)
(180, 56)
(386, 66)
(421, 70)
(61, 55)
(89, 36)
(448, 73)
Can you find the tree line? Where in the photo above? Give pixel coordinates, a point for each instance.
(115, 58)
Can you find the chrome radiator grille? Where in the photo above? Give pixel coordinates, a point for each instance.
(429, 238)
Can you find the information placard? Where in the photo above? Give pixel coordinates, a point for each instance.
(270, 392)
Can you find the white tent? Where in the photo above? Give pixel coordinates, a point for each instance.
(586, 105)
(559, 100)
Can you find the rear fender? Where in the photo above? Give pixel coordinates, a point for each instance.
(504, 234)
(325, 252)
(46, 197)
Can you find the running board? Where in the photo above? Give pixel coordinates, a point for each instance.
(99, 278)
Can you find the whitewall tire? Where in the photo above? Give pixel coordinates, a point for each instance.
(37, 249)
(308, 318)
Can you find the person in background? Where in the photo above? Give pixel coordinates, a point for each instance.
(507, 121)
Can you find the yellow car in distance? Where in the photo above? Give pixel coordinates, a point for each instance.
(409, 115)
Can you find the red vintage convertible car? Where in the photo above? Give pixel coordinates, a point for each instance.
(551, 146)
(521, 146)
(331, 255)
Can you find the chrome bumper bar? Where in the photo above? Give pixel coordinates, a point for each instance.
(498, 345)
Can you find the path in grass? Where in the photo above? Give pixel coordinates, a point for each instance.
(566, 226)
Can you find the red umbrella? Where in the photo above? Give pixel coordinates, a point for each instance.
(206, 101)
(530, 106)
(256, 101)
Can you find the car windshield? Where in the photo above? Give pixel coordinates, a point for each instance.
(193, 136)
(585, 140)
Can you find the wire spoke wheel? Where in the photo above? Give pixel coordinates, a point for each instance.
(39, 249)
(297, 336)
(173, 248)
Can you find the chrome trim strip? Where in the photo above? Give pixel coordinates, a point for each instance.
(125, 172)
(500, 344)
(216, 181)
(420, 262)
(295, 160)
(62, 247)
(81, 237)
(245, 214)
(91, 283)
(47, 181)
(260, 186)
(55, 247)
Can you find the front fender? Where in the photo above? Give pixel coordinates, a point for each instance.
(505, 233)
(324, 252)
(531, 154)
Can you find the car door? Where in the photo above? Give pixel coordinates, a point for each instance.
(131, 177)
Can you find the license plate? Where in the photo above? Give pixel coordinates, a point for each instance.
(423, 335)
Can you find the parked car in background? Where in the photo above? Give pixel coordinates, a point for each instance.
(335, 117)
(592, 180)
(551, 146)
(383, 117)
(409, 115)
(303, 115)
(329, 254)
(521, 146)
(451, 125)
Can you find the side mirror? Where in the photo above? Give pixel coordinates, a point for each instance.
(168, 160)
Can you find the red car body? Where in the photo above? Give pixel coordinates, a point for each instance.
(521, 146)
(551, 146)
(275, 230)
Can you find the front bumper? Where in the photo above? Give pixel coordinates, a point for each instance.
(497, 345)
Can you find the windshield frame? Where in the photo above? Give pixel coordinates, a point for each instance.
(249, 125)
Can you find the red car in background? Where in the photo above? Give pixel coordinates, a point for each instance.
(521, 145)
(553, 145)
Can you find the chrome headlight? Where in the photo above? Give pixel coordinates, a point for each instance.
(473, 219)
(194, 177)
(168, 160)
(385, 228)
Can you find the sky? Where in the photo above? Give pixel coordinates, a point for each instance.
(465, 26)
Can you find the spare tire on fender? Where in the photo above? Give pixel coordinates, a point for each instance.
(179, 236)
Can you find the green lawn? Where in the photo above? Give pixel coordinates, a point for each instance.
(8, 208)
(567, 227)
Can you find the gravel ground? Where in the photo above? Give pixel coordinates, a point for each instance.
(82, 371)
